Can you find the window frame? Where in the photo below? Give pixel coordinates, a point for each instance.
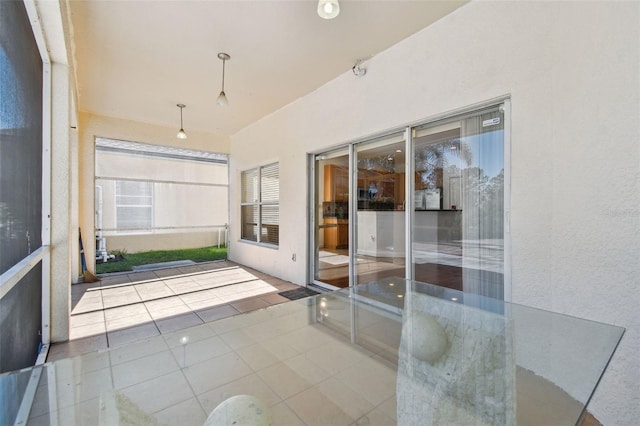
(258, 204)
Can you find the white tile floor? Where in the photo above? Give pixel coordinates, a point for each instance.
(297, 358)
(125, 308)
(180, 377)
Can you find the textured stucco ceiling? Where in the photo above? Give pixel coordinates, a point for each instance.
(138, 59)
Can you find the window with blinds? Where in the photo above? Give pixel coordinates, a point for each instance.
(260, 208)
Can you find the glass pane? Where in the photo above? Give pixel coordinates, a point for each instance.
(332, 218)
(380, 227)
(250, 222)
(502, 364)
(270, 224)
(270, 183)
(483, 205)
(250, 186)
(13, 387)
(458, 232)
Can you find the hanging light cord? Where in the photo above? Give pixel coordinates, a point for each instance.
(222, 98)
(181, 126)
(224, 61)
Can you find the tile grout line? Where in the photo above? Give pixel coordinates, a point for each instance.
(104, 309)
(163, 297)
(153, 319)
(190, 274)
(195, 395)
(225, 304)
(130, 304)
(207, 287)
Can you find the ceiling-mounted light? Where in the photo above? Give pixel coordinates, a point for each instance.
(222, 98)
(328, 9)
(358, 69)
(181, 133)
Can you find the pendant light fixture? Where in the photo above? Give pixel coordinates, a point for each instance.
(181, 133)
(222, 98)
(328, 9)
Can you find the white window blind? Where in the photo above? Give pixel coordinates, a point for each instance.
(260, 208)
(250, 186)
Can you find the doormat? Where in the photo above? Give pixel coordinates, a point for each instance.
(299, 293)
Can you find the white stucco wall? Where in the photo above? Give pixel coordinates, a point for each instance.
(572, 71)
(61, 171)
(201, 202)
(91, 125)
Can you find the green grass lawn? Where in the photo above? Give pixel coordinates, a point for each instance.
(159, 256)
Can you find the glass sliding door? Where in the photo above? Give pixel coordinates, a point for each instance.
(380, 218)
(331, 247)
(454, 180)
(458, 229)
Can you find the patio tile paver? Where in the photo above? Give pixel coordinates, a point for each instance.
(142, 276)
(87, 319)
(167, 302)
(197, 296)
(274, 298)
(177, 279)
(153, 290)
(219, 312)
(87, 305)
(178, 322)
(197, 333)
(129, 321)
(160, 314)
(165, 273)
(132, 334)
(249, 304)
(183, 287)
(124, 311)
(115, 280)
(137, 306)
(77, 347)
(189, 269)
(205, 304)
(88, 330)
